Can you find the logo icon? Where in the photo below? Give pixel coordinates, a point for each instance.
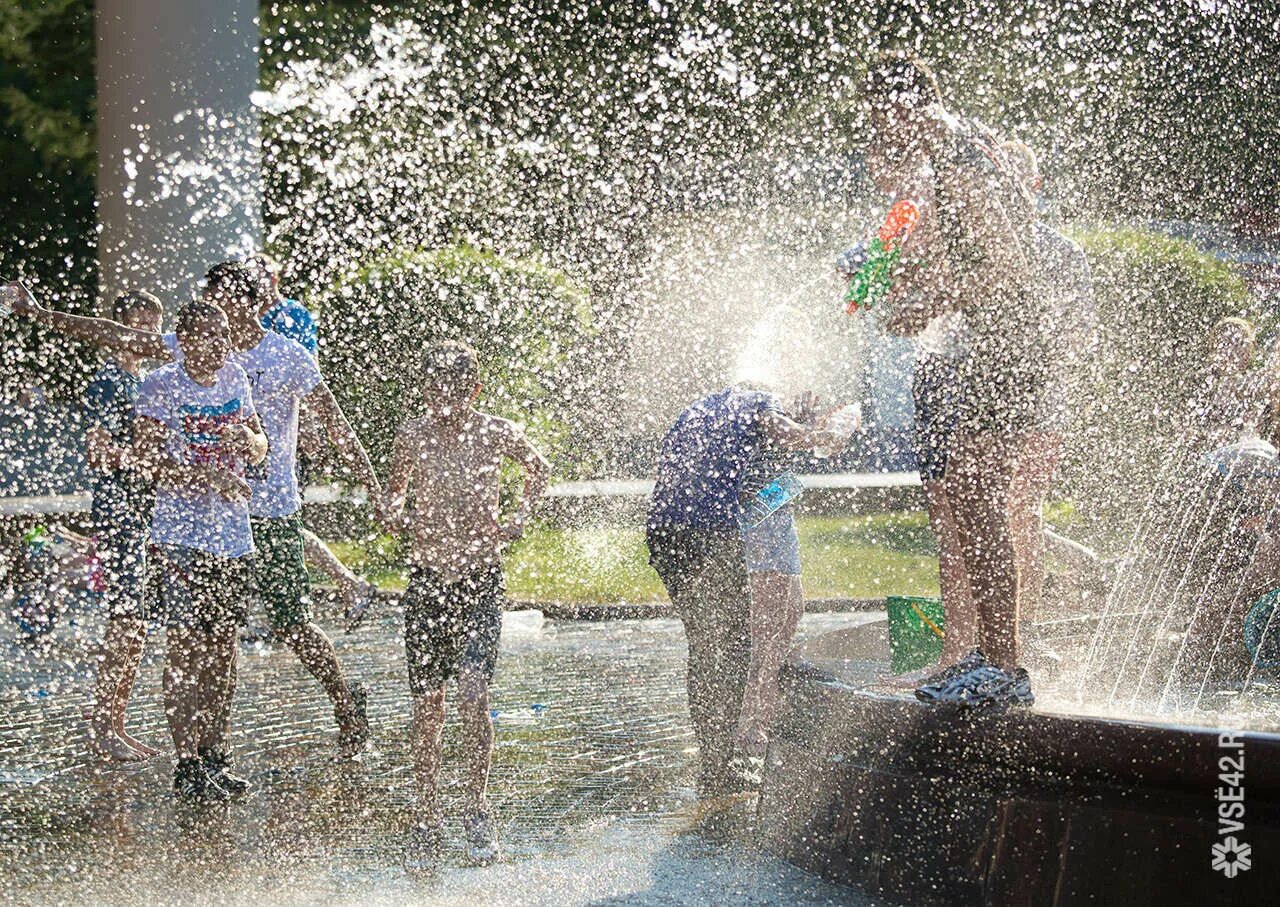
(1231, 857)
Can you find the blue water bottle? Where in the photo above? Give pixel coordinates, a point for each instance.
(771, 498)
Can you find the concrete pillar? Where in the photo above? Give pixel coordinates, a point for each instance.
(179, 147)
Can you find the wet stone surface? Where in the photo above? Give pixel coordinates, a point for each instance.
(591, 784)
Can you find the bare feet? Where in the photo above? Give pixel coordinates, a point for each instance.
(109, 747)
(146, 749)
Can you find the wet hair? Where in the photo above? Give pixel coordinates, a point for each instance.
(131, 301)
(194, 313)
(266, 269)
(451, 362)
(897, 78)
(232, 280)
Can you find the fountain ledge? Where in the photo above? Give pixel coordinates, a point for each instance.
(929, 805)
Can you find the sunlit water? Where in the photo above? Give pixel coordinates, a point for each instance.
(591, 783)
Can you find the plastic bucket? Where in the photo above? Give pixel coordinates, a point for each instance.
(915, 631)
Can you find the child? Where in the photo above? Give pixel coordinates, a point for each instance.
(121, 516)
(195, 432)
(450, 459)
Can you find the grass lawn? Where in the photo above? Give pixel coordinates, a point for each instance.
(843, 557)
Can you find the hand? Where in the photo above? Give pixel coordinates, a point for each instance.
(805, 408)
(99, 450)
(229, 486)
(238, 439)
(17, 297)
(910, 319)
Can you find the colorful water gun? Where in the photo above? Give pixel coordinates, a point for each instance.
(870, 264)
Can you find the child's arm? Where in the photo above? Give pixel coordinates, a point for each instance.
(152, 460)
(321, 404)
(247, 439)
(537, 472)
(391, 506)
(101, 453)
(101, 332)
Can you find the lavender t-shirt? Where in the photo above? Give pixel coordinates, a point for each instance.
(195, 415)
(281, 372)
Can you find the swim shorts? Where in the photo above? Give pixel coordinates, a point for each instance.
(451, 625)
(284, 588)
(938, 395)
(204, 591)
(772, 546)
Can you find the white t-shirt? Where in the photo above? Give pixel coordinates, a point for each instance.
(281, 372)
(194, 414)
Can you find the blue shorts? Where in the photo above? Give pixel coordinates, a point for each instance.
(773, 546)
(938, 396)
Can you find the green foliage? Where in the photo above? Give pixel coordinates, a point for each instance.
(1157, 300)
(47, 145)
(866, 556)
(527, 322)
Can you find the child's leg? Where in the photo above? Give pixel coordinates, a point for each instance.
(777, 632)
(182, 688)
(218, 687)
(477, 735)
(121, 653)
(428, 725)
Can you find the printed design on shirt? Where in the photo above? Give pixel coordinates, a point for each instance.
(201, 426)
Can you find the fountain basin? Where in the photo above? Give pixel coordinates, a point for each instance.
(925, 805)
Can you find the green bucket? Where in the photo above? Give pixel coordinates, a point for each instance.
(915, 631)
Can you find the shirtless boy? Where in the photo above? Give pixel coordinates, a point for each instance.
(450, 461)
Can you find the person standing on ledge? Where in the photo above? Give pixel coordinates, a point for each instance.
(284, 378)
(974, 258)
(694, 532)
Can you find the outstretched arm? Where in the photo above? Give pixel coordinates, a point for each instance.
(101, 332)
(537, 472)
(391, 506)
(321, 405)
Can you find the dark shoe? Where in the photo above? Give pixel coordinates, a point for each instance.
(424, 849)
(1014, 690)
(974, 659)
(482, 838)
(353, 726)
(192, 781)
(968, 689)
(218, 765)
(985, 686)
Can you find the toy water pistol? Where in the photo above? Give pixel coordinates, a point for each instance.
(869, 264)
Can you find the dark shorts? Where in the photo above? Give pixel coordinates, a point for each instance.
(938, 395)
(284, 588)
(121, 525)
(204, 591)
(451, 628)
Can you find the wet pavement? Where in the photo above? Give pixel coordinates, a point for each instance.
(591, 784)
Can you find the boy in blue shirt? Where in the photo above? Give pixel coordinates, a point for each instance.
(121, 517)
